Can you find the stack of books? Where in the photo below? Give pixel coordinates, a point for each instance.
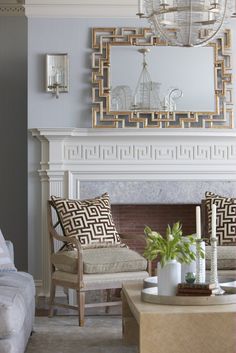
(195, 289)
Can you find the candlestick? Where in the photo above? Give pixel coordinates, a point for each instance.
(198, 222)
(213, 221)
(200, 262)
(214, 274)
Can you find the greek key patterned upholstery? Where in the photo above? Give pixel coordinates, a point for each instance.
(225, 220)
(89, 220)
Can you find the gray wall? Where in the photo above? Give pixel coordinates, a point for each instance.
(72, 109)
(13, 135)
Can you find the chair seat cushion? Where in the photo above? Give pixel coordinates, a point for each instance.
(100, 260)
(226, 257)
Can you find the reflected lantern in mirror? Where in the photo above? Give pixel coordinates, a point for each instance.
(186, 23)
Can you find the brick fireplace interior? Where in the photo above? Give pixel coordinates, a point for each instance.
(130, 220)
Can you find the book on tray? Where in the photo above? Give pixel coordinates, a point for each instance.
(195, 289)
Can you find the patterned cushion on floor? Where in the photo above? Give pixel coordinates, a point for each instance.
(89, 220)
(101, 260)
(226, 257)
(225, 219)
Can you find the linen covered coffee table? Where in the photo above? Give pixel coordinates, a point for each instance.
(177, 329)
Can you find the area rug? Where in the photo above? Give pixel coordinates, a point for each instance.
(61, 334)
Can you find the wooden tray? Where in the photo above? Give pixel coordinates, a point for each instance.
(150, 295)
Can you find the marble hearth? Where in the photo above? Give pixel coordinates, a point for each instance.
(136, 167)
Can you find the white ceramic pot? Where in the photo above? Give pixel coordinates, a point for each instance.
(168, 277)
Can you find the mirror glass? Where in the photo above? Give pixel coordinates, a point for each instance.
(162, 78)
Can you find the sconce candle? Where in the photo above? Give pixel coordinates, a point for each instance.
(198, 222)
(57, 74)
(140, 7)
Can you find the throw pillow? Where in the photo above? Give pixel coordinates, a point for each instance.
(6, 264)
(89, 220)
(225, 219)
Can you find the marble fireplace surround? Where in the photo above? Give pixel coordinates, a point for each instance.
(135, 166)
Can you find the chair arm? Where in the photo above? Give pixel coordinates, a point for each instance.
(68, 240)
(74, 241)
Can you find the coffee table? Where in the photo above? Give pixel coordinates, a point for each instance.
(177, 329)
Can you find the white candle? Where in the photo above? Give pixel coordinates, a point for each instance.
(140, 6)
(58, 78)
(213, 221)
(198, 222)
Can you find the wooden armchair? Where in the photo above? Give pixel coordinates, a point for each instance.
(80, 281)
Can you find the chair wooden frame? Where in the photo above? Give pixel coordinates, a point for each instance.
(79, 286)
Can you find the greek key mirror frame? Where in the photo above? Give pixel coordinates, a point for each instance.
(102, 116)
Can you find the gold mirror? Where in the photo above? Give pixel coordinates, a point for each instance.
(140, 82)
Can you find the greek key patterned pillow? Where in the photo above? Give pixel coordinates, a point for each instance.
(225, 219)
(89, 220)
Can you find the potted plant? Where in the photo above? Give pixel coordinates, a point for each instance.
(172, 250)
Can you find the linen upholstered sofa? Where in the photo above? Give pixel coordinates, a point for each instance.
(17, 302)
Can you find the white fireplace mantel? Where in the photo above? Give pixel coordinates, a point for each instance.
(147, 153)
(70, 156)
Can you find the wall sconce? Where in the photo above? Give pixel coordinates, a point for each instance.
(57, 73)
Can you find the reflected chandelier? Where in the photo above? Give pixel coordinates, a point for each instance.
(187, 23)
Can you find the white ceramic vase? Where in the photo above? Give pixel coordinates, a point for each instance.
(168, 277)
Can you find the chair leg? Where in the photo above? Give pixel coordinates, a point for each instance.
(81, 305)
(108, 294)
(51, 299)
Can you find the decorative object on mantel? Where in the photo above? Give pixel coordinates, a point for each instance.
(57, 73)
(183, 22)
(214, 274)
(172, 250)
(105, 40)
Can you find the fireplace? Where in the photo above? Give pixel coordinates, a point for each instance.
(153, 177)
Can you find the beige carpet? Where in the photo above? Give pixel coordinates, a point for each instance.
(61, 334)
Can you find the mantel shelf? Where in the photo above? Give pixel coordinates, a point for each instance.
(90, 132)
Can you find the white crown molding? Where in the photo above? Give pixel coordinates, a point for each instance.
(11, 9)
(81, 8)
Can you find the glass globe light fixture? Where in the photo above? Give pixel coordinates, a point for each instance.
(187, 23)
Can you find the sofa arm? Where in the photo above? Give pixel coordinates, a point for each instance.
(10, 249)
